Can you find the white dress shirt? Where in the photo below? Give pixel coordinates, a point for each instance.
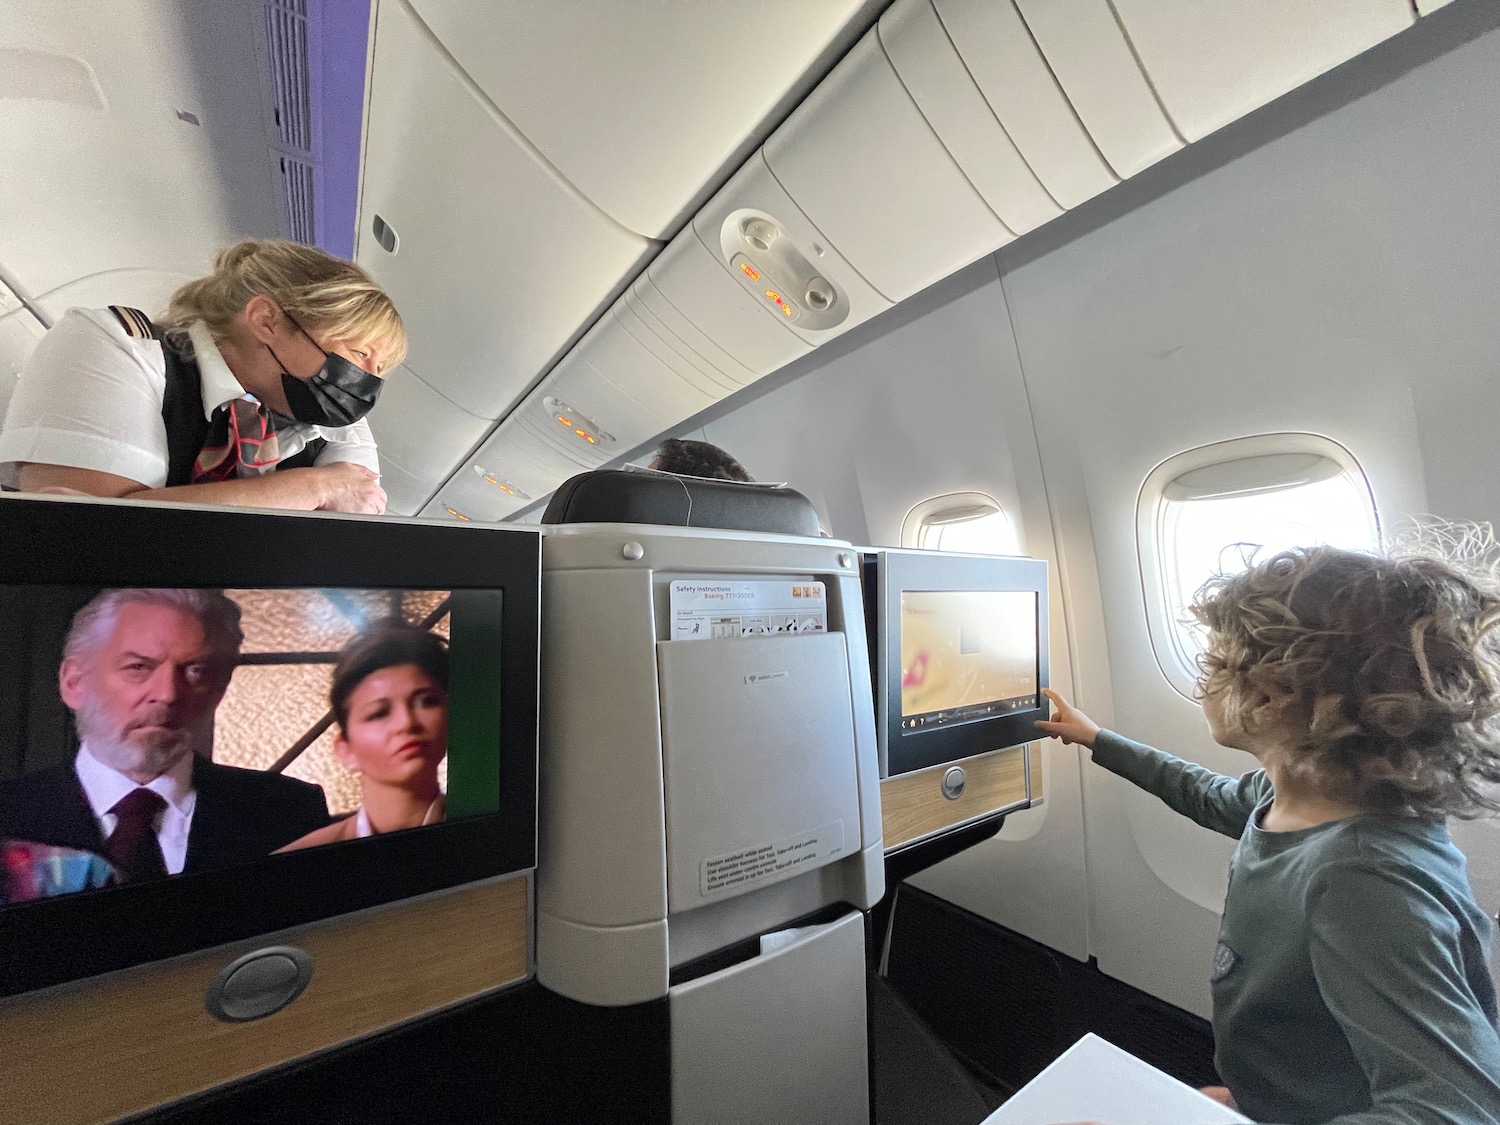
(90, 397)
(105, 787)
(363, 827)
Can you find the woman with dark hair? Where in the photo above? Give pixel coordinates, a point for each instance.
(697, 459)
(390, 701)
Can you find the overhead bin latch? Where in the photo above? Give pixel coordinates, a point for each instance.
(765, 260)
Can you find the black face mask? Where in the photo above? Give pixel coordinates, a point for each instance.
(339, 394)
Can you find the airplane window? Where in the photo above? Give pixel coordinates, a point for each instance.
(1218, 517)
(969, 522)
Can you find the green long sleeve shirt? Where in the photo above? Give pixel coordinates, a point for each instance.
(1351, 983)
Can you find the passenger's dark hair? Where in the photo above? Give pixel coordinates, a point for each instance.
(385, 647)
(1386, 669)
(698, 459)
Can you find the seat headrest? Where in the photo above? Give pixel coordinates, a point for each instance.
(615, 496)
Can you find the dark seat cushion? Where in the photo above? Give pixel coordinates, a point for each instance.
(616, 496)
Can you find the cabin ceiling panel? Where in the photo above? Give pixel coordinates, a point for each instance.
(421, 430)
(99, 172)
(147, 290)
(1096, 68)
(498, 261)
(9, 302)
(865, 166)
(754, 189)
(1214, 63)
(1022, 91)
(944, 91)
(641, 104)
(19, 333)
(691, 279)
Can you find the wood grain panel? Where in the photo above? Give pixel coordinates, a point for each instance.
(123, 1043)
(912, 805)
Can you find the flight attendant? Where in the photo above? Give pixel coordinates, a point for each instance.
(251, 390)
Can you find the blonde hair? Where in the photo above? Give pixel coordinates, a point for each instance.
(1386, 668)
(316, 289)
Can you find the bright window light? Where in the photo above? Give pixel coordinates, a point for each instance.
(1201, 538)
(966, 522)
(990, 534)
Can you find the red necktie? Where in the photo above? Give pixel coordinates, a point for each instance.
(241, 442)
(133, 847)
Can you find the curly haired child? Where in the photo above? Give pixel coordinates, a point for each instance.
(1351, 981)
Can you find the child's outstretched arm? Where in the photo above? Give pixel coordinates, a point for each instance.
(1214, 800)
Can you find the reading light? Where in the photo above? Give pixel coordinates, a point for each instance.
(759, 233)
(503, 485)
(577, 425)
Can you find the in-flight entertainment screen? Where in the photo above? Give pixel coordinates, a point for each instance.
(966, 655)
(154, 732)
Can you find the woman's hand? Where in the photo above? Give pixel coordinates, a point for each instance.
(1069, 724)
(1219, 1094)
(347, 487)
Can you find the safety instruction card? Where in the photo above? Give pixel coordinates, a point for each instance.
(721, 610)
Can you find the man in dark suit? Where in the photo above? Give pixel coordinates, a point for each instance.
(143, 671)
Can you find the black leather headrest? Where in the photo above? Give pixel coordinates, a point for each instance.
(615, 496)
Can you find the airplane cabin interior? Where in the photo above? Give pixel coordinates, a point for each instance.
(1027, 317)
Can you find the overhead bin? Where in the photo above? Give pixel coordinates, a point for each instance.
(864, 165)
(1015, 79)
(421, 436)
(938, 81)
(498, 260)
(754, 195)
(691, 280)
(404, 493)
(420, 430)
(687, 85)
(1213, 63)
(1090, 57)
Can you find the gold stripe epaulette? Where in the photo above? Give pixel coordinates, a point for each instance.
(137, 324)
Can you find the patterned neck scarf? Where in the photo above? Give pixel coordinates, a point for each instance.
(241, 442)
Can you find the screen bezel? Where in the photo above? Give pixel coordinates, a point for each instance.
(945, 572)
(57, 542)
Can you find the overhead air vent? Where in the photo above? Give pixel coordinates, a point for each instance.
(291, 83)
(297, 198)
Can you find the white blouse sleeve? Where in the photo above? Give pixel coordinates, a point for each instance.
(89, 397)
(350, 443)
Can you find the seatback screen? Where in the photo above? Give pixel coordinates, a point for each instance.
(966, 655)
(154, 732)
